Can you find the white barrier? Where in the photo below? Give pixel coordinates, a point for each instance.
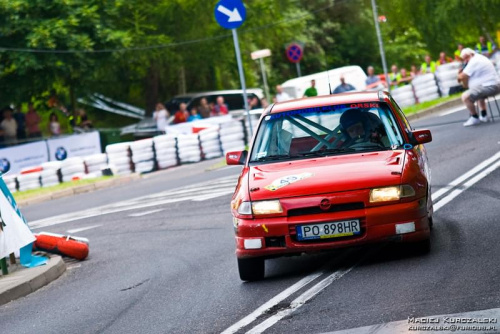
(119, 158)
(29, 181)
(165, 147)
(210, 143)
(143, 155)
(447, 75)
(72, 169)
(11, 182)
(404, 96)
(188, 148)
(425, 87)
(232, 136)
(50, 174)
(95, 163)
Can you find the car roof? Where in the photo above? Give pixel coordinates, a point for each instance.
(345, 98)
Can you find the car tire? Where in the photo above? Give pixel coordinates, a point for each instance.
(252, 269)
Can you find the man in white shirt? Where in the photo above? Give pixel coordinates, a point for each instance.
(9, 127)
(281, 96)
(481, 80)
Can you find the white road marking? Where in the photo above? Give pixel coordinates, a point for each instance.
(462, 178)
(271, 303)
(299, 301)
(196, 192)
(466, 186)
(145, 213)
(81, 229)
(451, 111)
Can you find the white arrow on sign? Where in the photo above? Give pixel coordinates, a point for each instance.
(234, 15)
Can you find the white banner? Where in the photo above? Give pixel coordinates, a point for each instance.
(15, 158)
(74, 146)
(14, 233)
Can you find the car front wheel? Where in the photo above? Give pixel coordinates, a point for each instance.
(251, 269)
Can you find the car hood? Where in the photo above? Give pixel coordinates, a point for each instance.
(325, 175)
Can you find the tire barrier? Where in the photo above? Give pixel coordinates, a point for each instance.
(165, 147)
(96, 163)
(72, 169)
(119, 158)
(51, 173)
(29, 181)
(11, 182)
(255, 123)
(447, 75)
(143, 155)
(232, 136)
(404, 96)
(210, 143)
(425, 87)
(188, 148)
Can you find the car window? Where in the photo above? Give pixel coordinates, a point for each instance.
(326, 130)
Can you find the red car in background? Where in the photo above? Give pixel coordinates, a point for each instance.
(330, 172)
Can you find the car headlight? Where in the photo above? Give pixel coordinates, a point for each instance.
(266, 207)
(394, 193)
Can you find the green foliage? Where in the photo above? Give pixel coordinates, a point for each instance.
(149, 51)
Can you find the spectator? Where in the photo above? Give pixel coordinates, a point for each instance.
(485, 48)
(373, 81)
(428, 66)
(54, 125)
(414, 71)
(481, 80)
(160, 115)
(9, 127)
(182, 115)
(404, 78)
(32, 122)
(194, 115)
(459, 49)
(311, 91)
(443, 58)
(84, 122)
(21, 124)
(204, 108)
(281, 96)
(343, 87)
(263, 102)
(220, 107)
(393, 76)
(253, 103)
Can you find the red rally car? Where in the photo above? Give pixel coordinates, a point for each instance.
(330, 172)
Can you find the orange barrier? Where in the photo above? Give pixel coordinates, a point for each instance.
(76, 248)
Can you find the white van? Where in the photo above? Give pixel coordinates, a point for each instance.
(353, 75)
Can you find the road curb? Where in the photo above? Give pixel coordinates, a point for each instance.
(27, 280)
(436, 108)
(78, 190)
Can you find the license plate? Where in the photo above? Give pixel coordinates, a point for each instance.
(328, 230)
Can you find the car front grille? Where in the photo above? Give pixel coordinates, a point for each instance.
(317, 210)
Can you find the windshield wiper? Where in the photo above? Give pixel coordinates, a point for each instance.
(273, 157)
(326, 152)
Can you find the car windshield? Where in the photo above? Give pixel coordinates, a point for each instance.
(326, 130)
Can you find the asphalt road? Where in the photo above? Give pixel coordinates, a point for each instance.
(167, 265)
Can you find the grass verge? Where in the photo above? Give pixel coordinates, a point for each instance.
(23, 195)
(424, 105)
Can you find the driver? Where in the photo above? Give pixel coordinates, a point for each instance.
(358, 127)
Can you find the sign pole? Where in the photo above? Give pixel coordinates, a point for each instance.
(264, 77)
(381, 44)
(299, 74)
(242, 77)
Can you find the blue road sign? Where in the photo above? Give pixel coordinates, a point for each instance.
(230, 14)
(294, 53)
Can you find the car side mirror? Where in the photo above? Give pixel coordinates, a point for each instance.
(421, 136)
(236, 157)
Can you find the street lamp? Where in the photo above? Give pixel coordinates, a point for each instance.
(381, 44)
(260, 55)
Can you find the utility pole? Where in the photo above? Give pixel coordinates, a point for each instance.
(381, 45)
